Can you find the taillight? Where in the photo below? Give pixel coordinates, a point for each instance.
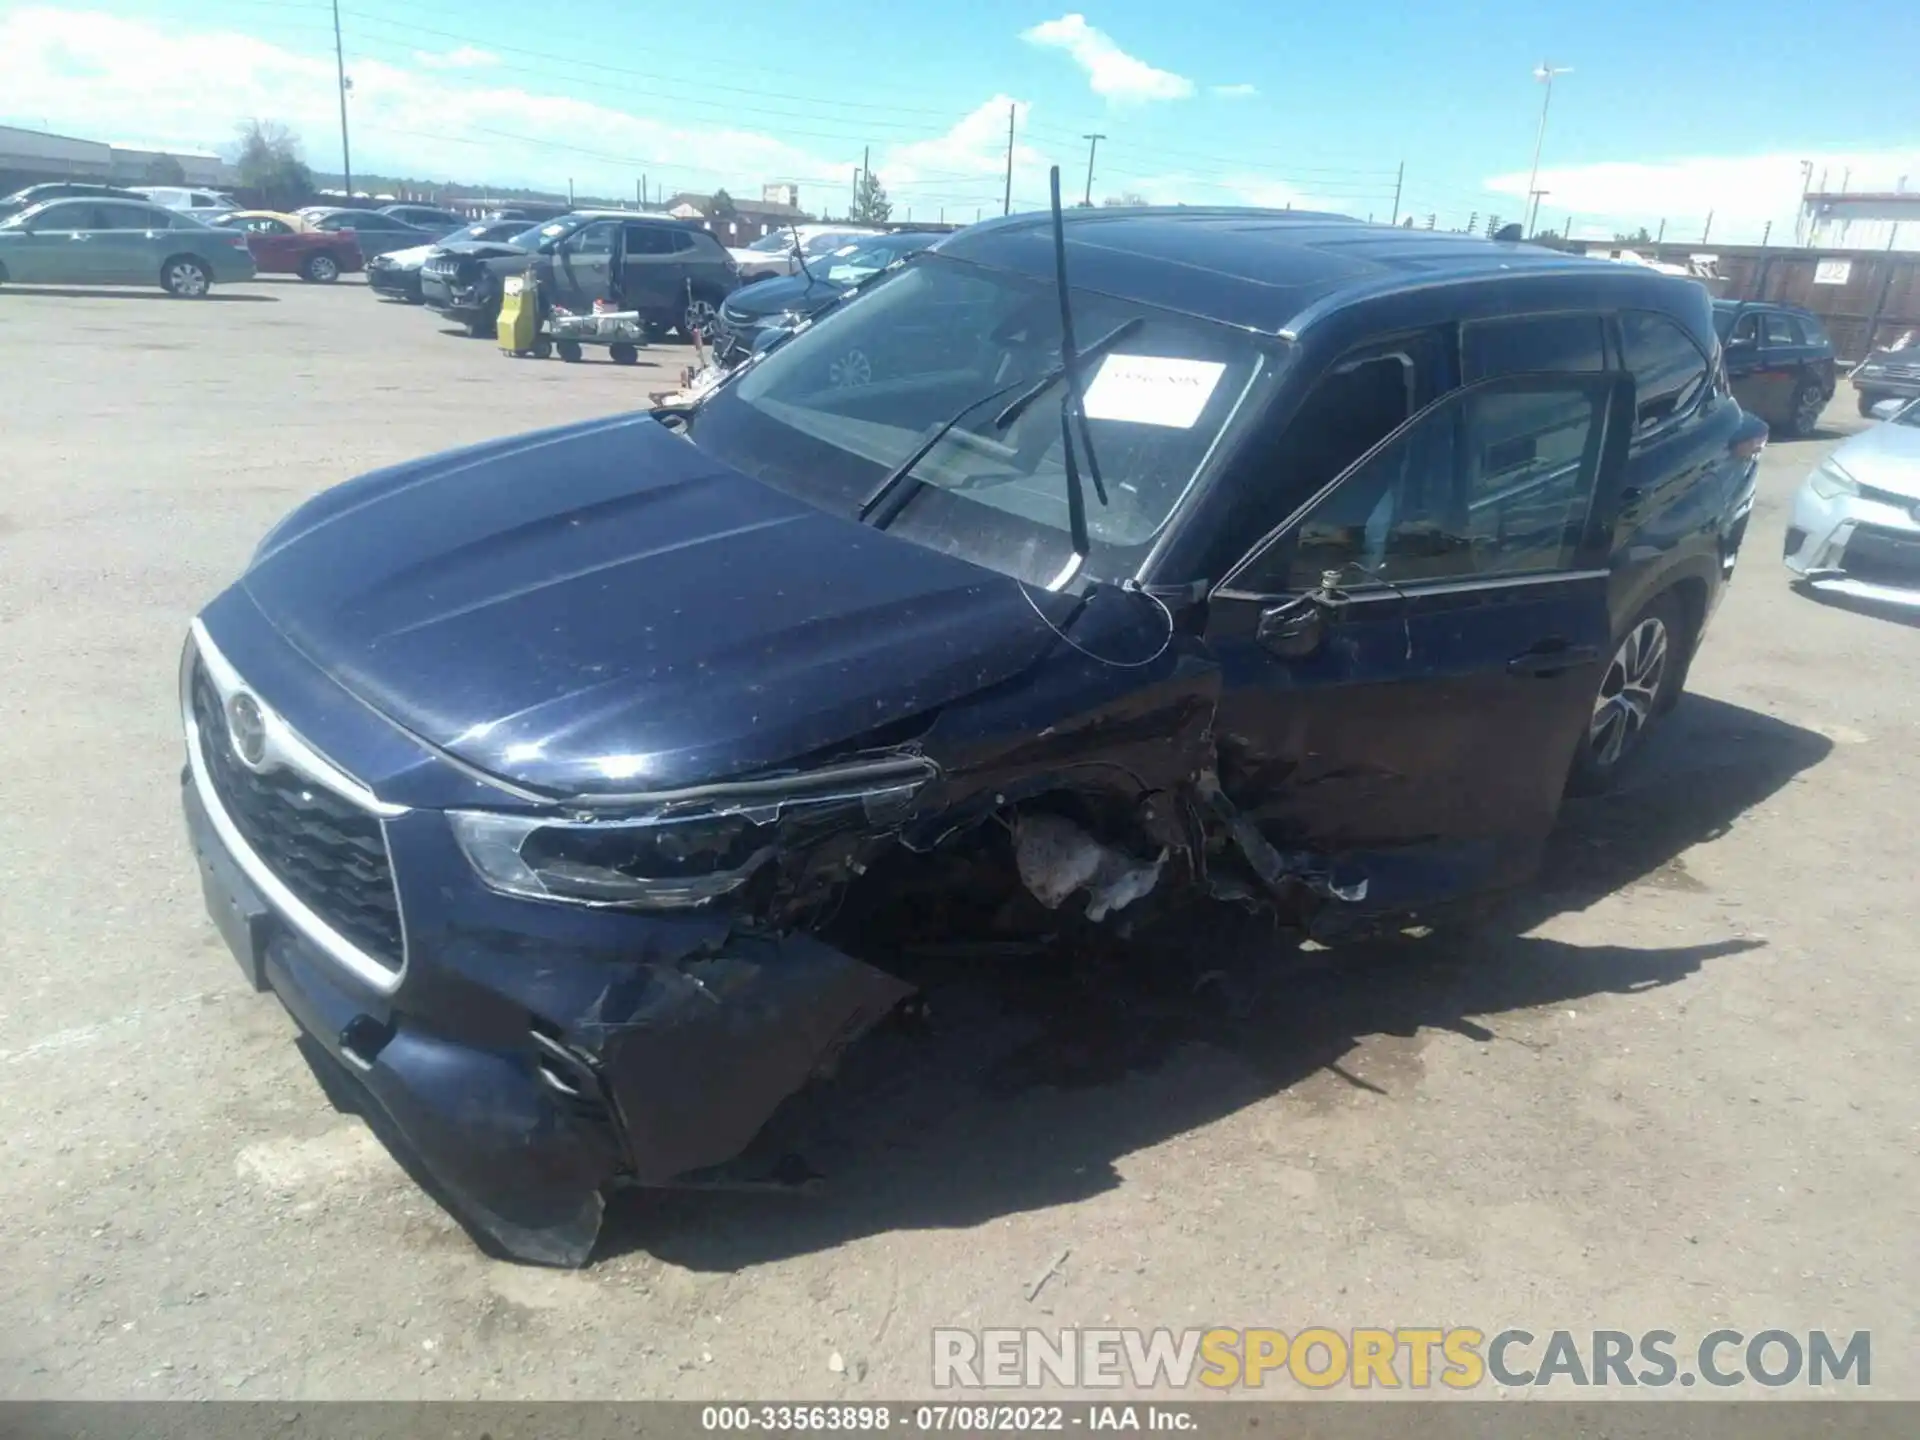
(239, 242)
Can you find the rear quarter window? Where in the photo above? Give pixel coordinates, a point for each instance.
(1669, 371)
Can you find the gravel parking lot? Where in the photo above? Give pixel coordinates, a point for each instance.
(1674, 1089)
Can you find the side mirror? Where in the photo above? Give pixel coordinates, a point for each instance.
(1293, 630)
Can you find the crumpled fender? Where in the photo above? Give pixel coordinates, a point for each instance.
(697, 1055)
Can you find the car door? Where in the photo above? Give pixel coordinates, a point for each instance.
(1746, 371)
(275, 246)
(1786, 356)
(652, 271)
(129, 242)
(1410, 660)
(582, 266)
(52, 246)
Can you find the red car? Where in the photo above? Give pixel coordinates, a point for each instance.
(285, 245)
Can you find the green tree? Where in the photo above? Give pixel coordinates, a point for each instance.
(165, 170)
(1638, 237)
(269, 162)
(721, 207)
(1547, 237)
(870, 203)
(1129, 199)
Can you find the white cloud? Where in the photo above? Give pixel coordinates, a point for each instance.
(96, 75)
(1742, 192)
(1111, 72)
(1236, 92)
(461, 57)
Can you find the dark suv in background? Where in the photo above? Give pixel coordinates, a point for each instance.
(674, 273)
(1779, 362)
(586, 793)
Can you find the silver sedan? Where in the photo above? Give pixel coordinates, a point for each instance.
(1855, 528)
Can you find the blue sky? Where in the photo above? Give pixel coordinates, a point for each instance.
(1669, 112)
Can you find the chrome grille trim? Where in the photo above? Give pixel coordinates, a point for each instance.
(286, 750)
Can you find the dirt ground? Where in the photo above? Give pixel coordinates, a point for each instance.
(1674, 1088)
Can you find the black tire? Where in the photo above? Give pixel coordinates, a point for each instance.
(320, 270)
(1866, 400)
(542, 348)
(185, 277)
(568, 350)
(1637, 686)
(623, 354)
(1804, 416)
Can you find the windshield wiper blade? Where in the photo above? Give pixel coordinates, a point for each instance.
(1017, 406)
(895, 482)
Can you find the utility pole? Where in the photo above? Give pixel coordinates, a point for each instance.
(1533, 212)
(1543, 72)
(1093, 144)
(853, 192)
(640, 193)
(340, 73)
(1800, 215)
(1706, 229)
(569, 190)
(1398, 176)
(1006, 200)
(1662, 232)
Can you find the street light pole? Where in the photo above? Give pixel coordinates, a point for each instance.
(1543, 72)
(1093, 144)
(340, 73)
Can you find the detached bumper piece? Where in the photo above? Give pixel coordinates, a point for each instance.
(519, 1119)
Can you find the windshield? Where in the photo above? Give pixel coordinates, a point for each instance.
(829, 414)
(545, 233)
(774, 242)
(854, 261)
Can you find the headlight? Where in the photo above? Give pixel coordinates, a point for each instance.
(685, 849)
(1830, 482)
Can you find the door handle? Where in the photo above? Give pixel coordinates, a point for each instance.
(1552, 658)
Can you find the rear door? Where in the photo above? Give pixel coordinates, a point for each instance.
(1413, 726)
(652, 270)
(128, 246)
(1745, 366)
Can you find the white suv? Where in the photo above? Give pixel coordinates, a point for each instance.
(178, 197)
(775, 254)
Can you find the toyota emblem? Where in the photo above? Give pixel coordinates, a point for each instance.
(247, 729)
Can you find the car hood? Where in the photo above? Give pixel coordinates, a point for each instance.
(410, 259)
(480, 249)
(604, 609)
(772, 297)
(1885, 456)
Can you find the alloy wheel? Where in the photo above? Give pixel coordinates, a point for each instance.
(700, 316)
(323, 269)
(1806, 412)
(1628, 691)
(186, 277)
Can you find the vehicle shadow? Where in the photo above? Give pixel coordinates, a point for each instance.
(101, 292)
(1021, 1082)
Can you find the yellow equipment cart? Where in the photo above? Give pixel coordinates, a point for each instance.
(519, 330)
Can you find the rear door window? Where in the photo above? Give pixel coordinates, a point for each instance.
(1669, 371)
(129, 217)
(649, 240)
(1532, 345)
(1778, 329)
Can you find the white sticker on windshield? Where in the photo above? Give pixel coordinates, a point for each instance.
(1152, 390)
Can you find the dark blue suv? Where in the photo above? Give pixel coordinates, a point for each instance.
(583, 794)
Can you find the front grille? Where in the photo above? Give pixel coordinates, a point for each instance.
(1882, 557)
(1901, 372)
(324, 848)
(441, 265)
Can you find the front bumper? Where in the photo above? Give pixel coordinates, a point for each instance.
(461, 301)
(1858, 546)
(392, 280)
(525, 1056)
